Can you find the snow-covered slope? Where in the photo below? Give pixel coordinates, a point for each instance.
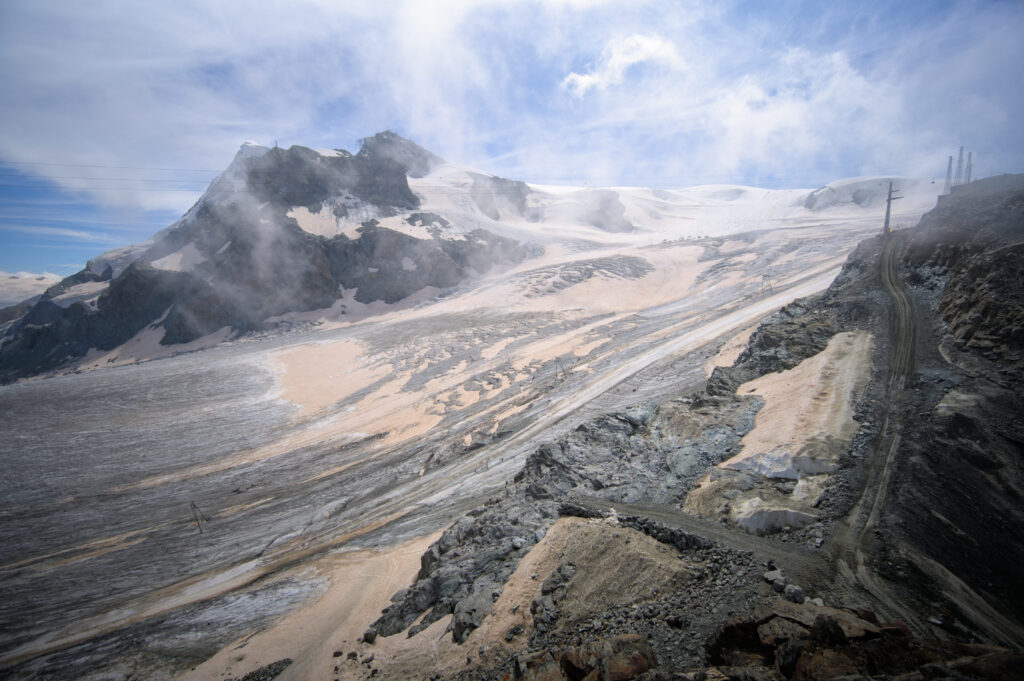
(291, 232)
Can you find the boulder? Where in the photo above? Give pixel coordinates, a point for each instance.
(618, 658)
(794, 593)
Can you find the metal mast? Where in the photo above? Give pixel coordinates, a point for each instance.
(970, 166)
(959, 179)
(888, 209)
(949, 177)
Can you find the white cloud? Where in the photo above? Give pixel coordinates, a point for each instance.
(661, 93)
(618, 56)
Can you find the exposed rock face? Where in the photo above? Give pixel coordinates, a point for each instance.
(49, 335)
(961, 475)
(619, 658)
(240, 257)
(958, 474)
(973, 239)
(811, 643)
(618, 457)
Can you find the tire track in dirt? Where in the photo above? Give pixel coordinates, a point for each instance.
(854, 540)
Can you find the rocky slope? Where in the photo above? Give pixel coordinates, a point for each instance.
(946, 500)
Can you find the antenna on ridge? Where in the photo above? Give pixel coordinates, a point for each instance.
(963, 174)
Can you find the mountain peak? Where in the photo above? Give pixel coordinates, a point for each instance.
(250, 149)
(416, 160)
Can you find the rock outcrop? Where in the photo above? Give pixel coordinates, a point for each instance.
(619, 658)
(814, 643)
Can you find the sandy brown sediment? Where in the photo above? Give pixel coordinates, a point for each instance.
(360, 585)
(812, 400)
(318, 375)
(805, 424)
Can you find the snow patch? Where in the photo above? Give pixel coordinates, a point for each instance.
(323, 223)
(82, 293)
(120, 258)
(399, 224)
(185, 259)
(408, 264)
(332, 153)
(145, 345)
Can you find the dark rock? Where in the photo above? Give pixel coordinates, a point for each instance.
(736, 641)
(996, 665)
(786, 655)
(370, 635)
(777, 630)
(826, 630)
(268, 672)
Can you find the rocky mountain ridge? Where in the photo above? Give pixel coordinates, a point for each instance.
(951, 496)
(298, 231)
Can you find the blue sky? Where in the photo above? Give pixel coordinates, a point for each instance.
(115, 115)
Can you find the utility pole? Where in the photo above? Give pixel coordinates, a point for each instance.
(888, 208)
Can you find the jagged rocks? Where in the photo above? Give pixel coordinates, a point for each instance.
(976, 238)
(612, 457)
(812, 643)
(618, 658)
(794, 333)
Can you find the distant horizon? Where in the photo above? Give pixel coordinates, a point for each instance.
(116, 121)
(155, 221)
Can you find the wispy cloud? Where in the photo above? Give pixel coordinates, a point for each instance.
(74, 234)
(619, 55)
(647, 92)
